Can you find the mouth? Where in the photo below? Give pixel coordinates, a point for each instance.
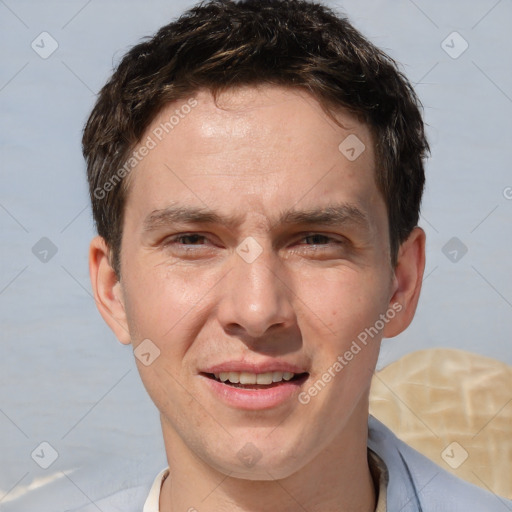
(255, 381)
(250, 385)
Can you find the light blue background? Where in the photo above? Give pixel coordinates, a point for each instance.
(64, 377)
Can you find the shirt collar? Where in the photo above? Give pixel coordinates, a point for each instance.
(380, 477)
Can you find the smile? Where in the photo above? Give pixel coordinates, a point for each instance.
(254, 391)
(244, 378)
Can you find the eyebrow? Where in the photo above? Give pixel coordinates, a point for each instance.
(186, 215)
(329, 216)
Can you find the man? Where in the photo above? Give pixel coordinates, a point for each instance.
(256, 172)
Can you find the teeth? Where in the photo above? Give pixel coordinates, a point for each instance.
(247, 378)
(264, 378)
(254, 378)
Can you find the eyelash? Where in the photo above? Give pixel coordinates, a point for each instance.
(188, 235)
(320, 235)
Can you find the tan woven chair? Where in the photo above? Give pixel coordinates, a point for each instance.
(454, 407)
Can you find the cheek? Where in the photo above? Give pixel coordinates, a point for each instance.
(338, 333)
(337, 304)
(162, 300)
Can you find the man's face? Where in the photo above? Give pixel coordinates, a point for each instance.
(253, 244)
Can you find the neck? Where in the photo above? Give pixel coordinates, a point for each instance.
(337, 479)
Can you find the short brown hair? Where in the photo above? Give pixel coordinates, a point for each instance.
(220, 44)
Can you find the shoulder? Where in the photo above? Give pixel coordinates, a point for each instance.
(418, 484)
(127, 500)
(133, 499)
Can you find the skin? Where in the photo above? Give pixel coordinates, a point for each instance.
(259, 152)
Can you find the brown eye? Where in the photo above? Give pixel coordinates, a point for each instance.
(192, 239)
(317, 239)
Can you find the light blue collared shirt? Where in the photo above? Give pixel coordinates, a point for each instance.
(415, 484)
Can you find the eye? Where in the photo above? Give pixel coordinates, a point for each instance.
(190, 246)
(189, 239)
(318, 239)
(186, 241)
(320, 246)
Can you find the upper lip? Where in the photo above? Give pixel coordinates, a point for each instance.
(253, 367)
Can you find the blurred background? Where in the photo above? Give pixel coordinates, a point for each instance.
(65, 380)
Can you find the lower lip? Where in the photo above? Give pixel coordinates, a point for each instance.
(256, 399)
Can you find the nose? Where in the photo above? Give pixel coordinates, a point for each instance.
(255, 298)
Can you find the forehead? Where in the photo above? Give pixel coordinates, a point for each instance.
(266, 115)
(264, 147)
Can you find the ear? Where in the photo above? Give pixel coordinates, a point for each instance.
(407, 282)
(107, 289)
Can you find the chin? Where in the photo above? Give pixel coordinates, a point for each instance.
(251, 463)
(261, 472)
